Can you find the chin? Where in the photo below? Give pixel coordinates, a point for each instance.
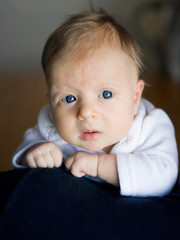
(92, 148)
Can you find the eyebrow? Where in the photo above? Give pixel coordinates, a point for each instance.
(56, 90)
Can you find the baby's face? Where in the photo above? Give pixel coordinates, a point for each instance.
(93, 101)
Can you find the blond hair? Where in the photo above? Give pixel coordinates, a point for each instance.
(86, 32)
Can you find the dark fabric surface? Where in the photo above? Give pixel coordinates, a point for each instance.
(53, 204)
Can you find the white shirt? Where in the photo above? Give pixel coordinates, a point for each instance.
(147, 158)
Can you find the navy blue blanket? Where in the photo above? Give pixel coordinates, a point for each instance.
(53, 204)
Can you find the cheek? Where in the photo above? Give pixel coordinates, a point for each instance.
(123, 122)
(60, 120)
(65, 123)
(121, 119)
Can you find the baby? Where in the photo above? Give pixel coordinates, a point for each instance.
(96, 119)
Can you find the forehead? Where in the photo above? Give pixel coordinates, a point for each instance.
(102, 65)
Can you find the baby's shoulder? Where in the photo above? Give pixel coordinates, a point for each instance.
(151, 114)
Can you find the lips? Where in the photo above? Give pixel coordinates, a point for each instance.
(88, 135)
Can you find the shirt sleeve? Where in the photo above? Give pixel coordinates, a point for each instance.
(32, 137)
(150, 167)
(43, 132)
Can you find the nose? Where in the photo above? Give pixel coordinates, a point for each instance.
(87, 111)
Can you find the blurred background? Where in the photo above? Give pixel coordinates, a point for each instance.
(24, 28)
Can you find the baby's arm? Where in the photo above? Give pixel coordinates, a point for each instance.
(96, 165)
(44, 155)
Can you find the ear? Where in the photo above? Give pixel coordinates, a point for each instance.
(137, 94)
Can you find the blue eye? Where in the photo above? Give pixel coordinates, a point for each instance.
(106, 94)
(69, 99)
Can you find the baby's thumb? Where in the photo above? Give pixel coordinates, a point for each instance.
(69, 161)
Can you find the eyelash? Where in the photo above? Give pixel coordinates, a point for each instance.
(106, 94)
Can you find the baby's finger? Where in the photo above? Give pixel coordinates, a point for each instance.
(73, 165)
(75, 170)
(48, 159)
(40, 162)
(57, 157)
(30, 162)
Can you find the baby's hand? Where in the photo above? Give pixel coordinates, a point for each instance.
(44, 155)
(82, 163)
(103, 166)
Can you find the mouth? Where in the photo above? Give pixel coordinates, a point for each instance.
(87, 135)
